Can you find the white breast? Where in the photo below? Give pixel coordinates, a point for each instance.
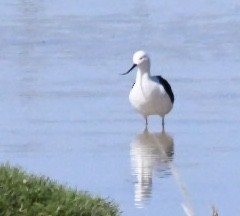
(148, 97)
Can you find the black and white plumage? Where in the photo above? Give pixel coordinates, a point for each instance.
(150, 95)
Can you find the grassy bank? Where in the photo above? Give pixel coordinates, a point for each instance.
(24, 194)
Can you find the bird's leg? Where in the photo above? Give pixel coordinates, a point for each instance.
(146, 121)
(163, 123)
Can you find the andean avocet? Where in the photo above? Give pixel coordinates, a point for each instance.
(150, 95)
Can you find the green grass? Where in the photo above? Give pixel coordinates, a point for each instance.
(24, 194)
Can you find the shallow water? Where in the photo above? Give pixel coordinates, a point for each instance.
(65, 111)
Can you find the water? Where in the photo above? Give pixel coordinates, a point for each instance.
(65, 111)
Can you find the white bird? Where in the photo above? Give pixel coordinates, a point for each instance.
(150, 95)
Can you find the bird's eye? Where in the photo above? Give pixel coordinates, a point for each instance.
(141, 58)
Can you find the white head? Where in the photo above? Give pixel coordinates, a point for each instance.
(140, 57)
(141, 60)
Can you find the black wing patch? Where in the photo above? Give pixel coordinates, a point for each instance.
(167, 87)
(133, 85)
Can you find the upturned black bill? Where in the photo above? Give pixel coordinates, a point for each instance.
(134, 65)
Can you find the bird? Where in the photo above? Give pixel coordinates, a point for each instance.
(150, 95)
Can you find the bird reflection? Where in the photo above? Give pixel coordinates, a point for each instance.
(150, 153)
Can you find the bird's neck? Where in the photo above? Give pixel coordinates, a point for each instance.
(142, 74)
(144, 67)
